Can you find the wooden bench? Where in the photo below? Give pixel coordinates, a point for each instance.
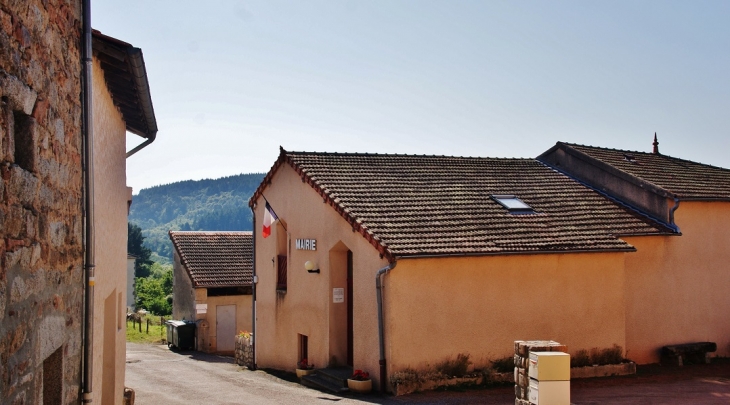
(689, 353)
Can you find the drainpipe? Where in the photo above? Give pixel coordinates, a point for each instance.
(671, 213)
(381, 330)
(253, 289)
(89, 202)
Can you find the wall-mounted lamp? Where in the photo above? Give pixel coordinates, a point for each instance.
(310, 267)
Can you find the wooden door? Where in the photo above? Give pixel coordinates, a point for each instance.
(348, 293)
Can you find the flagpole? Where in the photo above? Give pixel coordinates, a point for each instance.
(272, 210)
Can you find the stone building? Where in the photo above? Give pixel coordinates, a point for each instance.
(42, 215)
(41, 221)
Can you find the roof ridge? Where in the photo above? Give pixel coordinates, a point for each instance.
(646, 153)
(375, 154)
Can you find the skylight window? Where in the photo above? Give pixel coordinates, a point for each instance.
(513, 204)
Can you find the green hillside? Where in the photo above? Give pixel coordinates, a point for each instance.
(192, 205)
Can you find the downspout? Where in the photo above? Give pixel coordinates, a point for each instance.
(142, 145)
(89, 259)
(381, 329)
(253, 289)
(671, 214)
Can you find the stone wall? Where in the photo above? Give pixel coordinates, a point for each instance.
(41, 221)
(244, 352)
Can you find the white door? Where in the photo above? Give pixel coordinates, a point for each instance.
(225, 327)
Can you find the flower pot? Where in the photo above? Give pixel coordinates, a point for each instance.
(362, 387)
(302, 372)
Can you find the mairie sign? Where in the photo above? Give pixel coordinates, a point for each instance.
(306, 244)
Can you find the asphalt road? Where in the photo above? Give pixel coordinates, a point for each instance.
(160, 376)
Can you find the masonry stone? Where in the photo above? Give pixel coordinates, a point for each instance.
(20, 97)
(23, 185)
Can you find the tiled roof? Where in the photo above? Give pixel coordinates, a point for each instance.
(216, 259)
(435, 205)
(684, 178)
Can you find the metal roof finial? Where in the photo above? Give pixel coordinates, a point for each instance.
(656, 145)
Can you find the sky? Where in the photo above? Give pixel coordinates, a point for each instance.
(233, 80)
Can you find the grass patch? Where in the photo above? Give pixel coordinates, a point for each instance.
(504, 365)
(456, 367)
(157, 332)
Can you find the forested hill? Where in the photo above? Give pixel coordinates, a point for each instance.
(193, 205)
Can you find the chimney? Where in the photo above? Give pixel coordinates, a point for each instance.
(656, 145)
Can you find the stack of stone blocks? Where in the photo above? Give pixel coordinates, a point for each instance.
(243, 354)
(522, 363)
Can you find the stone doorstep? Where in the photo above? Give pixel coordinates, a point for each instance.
(333, 380)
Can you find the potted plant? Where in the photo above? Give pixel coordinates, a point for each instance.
(360, 382)
(304, 368)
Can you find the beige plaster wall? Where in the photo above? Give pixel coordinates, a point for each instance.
(183, 296)
(677, 286)
(438, 308)
(110, 201)
(306, 307)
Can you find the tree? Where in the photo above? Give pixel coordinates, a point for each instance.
(136, 247)
(154, 294)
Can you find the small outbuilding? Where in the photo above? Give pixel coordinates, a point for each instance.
(212, 276)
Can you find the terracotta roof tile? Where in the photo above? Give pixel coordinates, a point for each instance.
(684, 178)
(438, 205)
(216, 259)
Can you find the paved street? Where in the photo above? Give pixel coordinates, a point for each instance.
(160, 376)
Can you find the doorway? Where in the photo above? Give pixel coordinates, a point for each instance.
(348, 294)
(341, 306)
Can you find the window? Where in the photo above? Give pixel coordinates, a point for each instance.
(281, 273)
(53, 378)
(513, 204)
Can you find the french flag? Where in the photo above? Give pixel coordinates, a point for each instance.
(269, 218)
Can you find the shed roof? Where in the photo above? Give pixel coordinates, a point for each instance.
(683, 178)
(216, 259)
(409, 205)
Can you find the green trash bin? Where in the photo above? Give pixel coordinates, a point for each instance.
(181, 335)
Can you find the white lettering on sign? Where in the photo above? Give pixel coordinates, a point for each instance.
(338, 295)
(306, 244)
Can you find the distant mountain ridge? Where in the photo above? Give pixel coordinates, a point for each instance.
(195, 205)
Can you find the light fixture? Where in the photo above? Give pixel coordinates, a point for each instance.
(310, 267)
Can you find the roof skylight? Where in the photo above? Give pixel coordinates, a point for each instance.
(513, 204)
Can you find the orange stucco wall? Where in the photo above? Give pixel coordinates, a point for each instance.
(677, 286)
(110, 201)
(438, 308)
(307, 306)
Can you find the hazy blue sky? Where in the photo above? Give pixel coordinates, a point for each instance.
(232, 80)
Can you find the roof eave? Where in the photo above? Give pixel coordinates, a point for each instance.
(627, 249)
(130, 62)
